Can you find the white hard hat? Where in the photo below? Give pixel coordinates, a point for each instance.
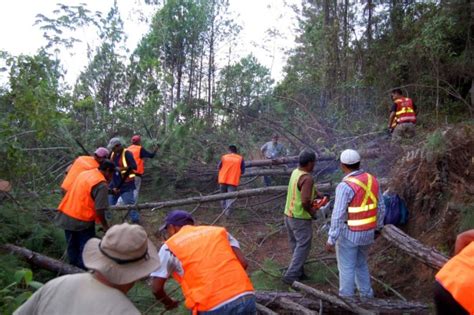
(350, 157)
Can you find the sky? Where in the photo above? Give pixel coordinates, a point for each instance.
(20, 36)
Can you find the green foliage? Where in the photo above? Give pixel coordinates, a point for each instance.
(268, 277)
(467, 217)
(18, 291)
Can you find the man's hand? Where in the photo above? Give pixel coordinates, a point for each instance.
(330, 248)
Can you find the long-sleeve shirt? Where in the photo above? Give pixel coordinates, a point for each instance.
(146, 154)
(344, 195)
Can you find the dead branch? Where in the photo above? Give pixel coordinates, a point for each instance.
(429, 256)
(261, 309)
(288, 304)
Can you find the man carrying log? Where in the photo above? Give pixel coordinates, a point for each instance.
(299, 213)
(454, 285)
(124, 256)
(208, 264)
(82, 205)
(358, 212)
(231, 166)
(81, 164)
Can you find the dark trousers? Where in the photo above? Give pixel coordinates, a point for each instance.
(76, 240)
(445, 303)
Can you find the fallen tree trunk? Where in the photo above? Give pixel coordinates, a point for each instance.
(365, 306)
(268, 172)
(326, 187)
(365, 154)
(414, 248)
(42, 261)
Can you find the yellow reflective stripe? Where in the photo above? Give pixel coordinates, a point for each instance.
(405, 110)
(368, 190)
(361, 221)
(124, 164)
(362, 185)
(362, 209)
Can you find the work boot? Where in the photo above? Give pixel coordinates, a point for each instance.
(288, 280)
(304, 277)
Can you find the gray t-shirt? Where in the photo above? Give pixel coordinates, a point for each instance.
(272, 151)
(77, 294)
(100, 195)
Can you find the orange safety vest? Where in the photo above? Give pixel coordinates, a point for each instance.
(135, 149)
(81, 164)
(457, 277)
(78, 202)
(362, 210)
(230, 171)
(122, 162)
(212, 272)
(405, 111)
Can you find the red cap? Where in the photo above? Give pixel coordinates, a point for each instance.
(136, 139)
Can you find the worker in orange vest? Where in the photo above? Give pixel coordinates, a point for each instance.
(83, 163)
(402, 120)
(139, 154)
(454, 285)
(208, 264)
(231, 167)
(83, 203)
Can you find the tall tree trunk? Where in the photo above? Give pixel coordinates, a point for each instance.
(211, 62)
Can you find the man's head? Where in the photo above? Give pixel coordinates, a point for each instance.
(350, 160)
(232, 148)
(107, 167)
(275, 138)
(123, 256)
(175, 220)
(101, 154)
(136, 139)
(115, 145)
(396, 93)
(307, 160)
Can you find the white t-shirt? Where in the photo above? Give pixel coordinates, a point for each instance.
(77, 294)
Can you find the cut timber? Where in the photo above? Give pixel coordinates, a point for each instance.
(364, 306)
(261, 309)
(287, 304)
(42, 261)
(413, 247)
(367, 154)
(327, 187)
(268, 172)
(333, 299)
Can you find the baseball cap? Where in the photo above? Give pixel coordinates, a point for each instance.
(136, 139)
(113, 142)
(350, 157)
(101, 152)
(178, 218)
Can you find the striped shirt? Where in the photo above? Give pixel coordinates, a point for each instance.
(344, 195)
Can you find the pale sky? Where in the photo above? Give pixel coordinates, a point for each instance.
(19, 36)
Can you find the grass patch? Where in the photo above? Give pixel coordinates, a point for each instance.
(467, 218)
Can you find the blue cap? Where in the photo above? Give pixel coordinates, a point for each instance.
(178, 218)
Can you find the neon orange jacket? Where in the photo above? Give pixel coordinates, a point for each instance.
(212, 272)
(135, 149)
(362, 210)
(230, 171)
(457, 277)
(81, 164)
(78, 202)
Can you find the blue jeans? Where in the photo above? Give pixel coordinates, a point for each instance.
(76, 240)
(243, 305)
(353, 268)
(227, 203)
(128, 199)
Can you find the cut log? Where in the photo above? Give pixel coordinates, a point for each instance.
(268, 172)
(365, 154)
(365, 306)
(261, 309)
(333, 299)
(42, 261)
(429, 256)
(287, 304)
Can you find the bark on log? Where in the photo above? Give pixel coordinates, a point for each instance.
(42, 261)
(367, 154)
(268, 172)
(261, 309)
(287, 304)
(365, 306)
(429, 256)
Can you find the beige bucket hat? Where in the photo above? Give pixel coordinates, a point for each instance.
(124, 255)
